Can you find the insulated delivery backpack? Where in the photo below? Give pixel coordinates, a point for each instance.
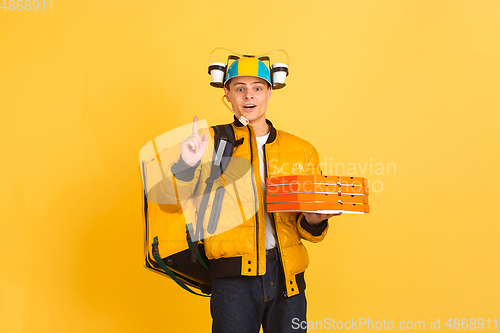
(174, 224)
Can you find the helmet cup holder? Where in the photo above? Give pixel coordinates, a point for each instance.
(279, 72)
(217, 71)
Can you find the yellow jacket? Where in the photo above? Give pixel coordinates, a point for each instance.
(240, 249)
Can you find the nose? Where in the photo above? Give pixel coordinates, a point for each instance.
(249, 94)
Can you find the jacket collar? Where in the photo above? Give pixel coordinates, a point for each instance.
(272, 133)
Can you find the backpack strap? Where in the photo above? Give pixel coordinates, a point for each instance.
(192, 245)
(224, 144)
(159, 261)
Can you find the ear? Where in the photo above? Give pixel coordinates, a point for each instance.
(269, 93)
(226, 93)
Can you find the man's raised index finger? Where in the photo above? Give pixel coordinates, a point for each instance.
(195, 125)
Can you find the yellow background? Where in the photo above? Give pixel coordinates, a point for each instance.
(84, 87)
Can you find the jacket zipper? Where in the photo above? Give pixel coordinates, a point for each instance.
(256, 201)
(285, 293)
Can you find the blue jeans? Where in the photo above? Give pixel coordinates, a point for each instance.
(241, 304)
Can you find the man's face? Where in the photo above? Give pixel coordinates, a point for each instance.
(248, 96)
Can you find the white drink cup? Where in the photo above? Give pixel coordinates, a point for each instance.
(280, 71)
(217, 70)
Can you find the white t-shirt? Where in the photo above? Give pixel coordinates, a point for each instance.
(270, 233)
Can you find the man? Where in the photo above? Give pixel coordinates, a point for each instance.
(258, 266)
